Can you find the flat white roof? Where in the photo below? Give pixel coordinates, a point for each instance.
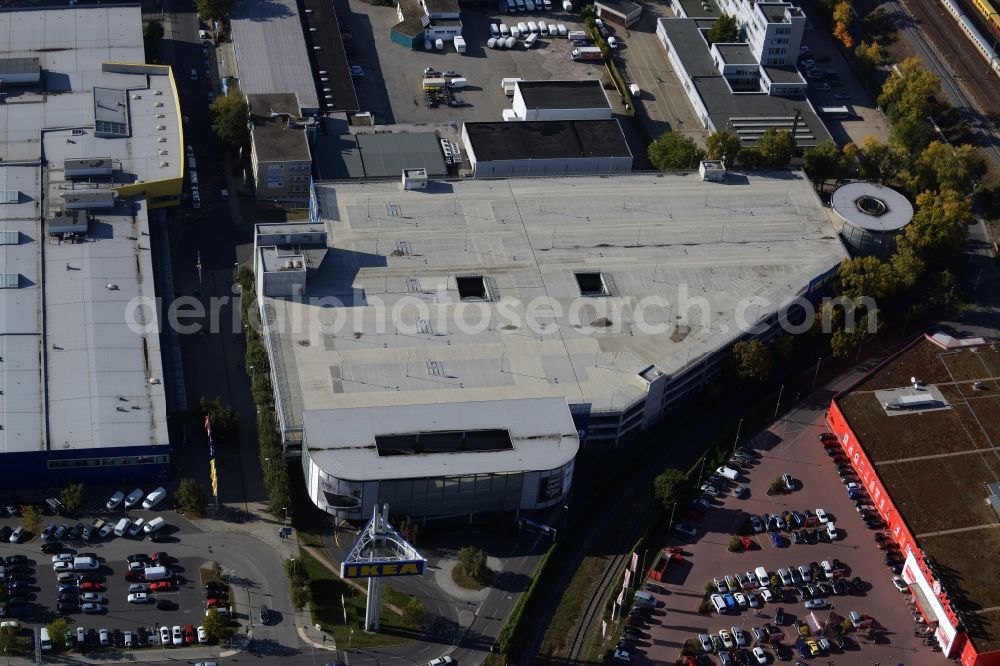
(342, 440)
(872, 206)
(712, 246)
(74, 375)
(271, 50)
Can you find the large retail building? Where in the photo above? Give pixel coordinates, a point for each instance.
(923, 433)
(487, 328)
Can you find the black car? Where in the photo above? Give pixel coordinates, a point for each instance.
(213, 585)
(781, 651)
(76, 532)
(91, 578)
(66, 607)
(632, 632)
(857, 584)
(52, 547)
(264, 615)
(141, 637)
(118, 638)
(165, 604)
(779, 615)
(92, 638)
(68, 597)
(159, 536)
(12, 560)
(799, 536)
(625, 643)
(16, 601)
(5, 533)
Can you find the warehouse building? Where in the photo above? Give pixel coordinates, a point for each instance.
(621, 12)
(921, 432)
(559, 100)
(748, 87)
(547, 148)
(280, 155)
(582, 290)
(89, 149)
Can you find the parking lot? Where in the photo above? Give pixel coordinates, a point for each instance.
(181, 597)
(392, 85)
(791, 446)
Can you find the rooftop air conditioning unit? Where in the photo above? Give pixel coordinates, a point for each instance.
(162, 139)
(160, 115)
(164, 165)
(322, 71)
(312, 29)
(162, 151)
(135, 97)
(159, 104)
(317, 48)
(161, 127)
(157, 92)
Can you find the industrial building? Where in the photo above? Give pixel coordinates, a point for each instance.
(748, 87)
(92, 141)
(376, 153)
(921, 432)
(546, 148)
(872, 215)
(582, 290)
(559, 100)
(422, 22)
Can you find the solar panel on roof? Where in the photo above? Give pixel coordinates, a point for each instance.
(10, 237)
(10, 196)
(10, 280)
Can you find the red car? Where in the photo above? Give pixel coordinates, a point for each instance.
(209, 603)
(135, 577)
(160, 585)
(189, 635)
(90, 587)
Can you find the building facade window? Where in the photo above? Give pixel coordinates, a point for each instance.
(108, 462)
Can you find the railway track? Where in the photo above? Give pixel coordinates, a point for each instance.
(965, 76)
(593, 612)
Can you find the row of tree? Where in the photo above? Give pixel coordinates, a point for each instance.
(676, 152)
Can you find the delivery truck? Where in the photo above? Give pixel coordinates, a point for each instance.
(460, 44)
(586, 53)
(577, 37)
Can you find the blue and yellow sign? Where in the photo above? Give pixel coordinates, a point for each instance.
(382, 569)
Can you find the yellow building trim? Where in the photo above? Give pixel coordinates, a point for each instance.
(167, 189)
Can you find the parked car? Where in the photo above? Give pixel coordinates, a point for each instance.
(816, 604)
(115, 501)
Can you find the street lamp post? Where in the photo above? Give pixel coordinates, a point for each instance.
(285, 509)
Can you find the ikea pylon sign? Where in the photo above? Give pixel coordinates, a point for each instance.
(382, 568)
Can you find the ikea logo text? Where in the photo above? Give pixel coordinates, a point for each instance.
(380, 569)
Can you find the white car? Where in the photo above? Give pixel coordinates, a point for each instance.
(612, 43)
(900, 584)
(134, 498)
(136, 527)
(178, 634)
(740, 599)
(739, 491)
(202, 635)
(759, 655)
(739, 636)
(154, 498)
(767, 594)
(62, 557)
(138, 598)
(92, 598)
(114, 501)
(753, 600)
(727, 640)
(441, 661)
(137, 587)
(61, 566)
(165, 635)
(822, 517)
(831, 529)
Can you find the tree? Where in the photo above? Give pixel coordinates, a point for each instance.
(869, 58)
(230, 114)
(824, 162)
(215, 625)
(674, 152)
(751, 157)
(867, 277)
(8, 639)
(879, 162)
(57, 630)
(30, 519)
(939, 227)
(843, 34)
(152, 37)
(213, 10)
(944, 167)
(911, 133)
(72, 497)
(413, 612)
(472, 562)
(909, 90)
(224, 419)
(842, 13)
(409, 529)
(723, 145)
(752, 360)
(192, 497)
(670, 486)
(723, 31)
(776, 147)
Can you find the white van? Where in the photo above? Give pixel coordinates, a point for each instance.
(45, 641)
(543, 28)
(494, 30)
(530, 41)
(523, 27)
(204, 36)
(718, 603)
(153, 525)
(831, 529)
(504, 30)
(532, 27)
(85, 564)
(762, 575)
(154, 498)
(121, 527)
(157, 573)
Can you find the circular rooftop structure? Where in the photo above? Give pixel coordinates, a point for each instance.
(871, 207)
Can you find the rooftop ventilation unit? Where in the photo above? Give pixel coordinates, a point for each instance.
(162, 139)
(164, 165)
(136, 96)
(157, 92)
(163, 151)
(159, 105)
(160, 115)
